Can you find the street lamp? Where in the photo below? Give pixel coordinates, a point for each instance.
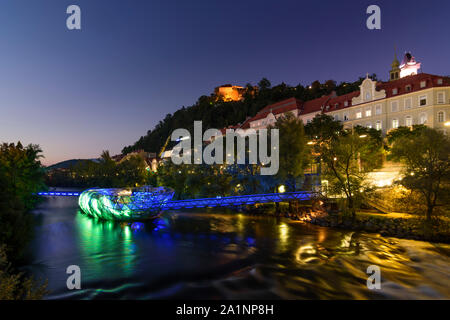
(282, 189)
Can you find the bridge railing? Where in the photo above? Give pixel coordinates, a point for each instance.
(238, 200)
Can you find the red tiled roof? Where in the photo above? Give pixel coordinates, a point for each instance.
(414, 81)
(315, 105)
(278, 108)
(338, 103)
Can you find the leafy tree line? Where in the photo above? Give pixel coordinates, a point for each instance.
(105, 173)
(21, 175)
(215, 113)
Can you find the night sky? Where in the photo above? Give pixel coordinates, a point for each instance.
(76, 93)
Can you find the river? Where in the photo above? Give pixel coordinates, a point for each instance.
(220, 255)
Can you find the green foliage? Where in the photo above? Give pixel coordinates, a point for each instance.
(293, 153)
(15, 286)
(215, 113)
(323, 128)
(346, 157)
(401, 132)
(21, 175)
(426, 156)
(129, 172)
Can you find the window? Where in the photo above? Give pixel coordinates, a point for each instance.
(408, 121)
(408, 103)
(346, 117)
(441, 116)
(408, 88)
(423, 101)
(358, 114)
(394, 123)
(394, 106)
(378, 109)
(336, 105)
(423, 84)
(336, 117)
(439, 81)
(440, 98)
(345, 103)
(394, 91)
(368, 95)
(378, 125)
(423, 118)
(368, 112)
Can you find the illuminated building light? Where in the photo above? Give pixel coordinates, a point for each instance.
(363, 136)
(447, 124)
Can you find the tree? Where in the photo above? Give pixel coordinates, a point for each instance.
(293, 152)
(426, 156)
(346, 161)
(323, 128)
(21, 175)
(264, 84)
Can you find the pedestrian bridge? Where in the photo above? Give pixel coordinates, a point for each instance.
(232, 201)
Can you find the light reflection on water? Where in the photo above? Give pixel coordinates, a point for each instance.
(217, 255)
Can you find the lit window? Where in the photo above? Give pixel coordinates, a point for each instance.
(423, 100)
(378, 125)
(408, 103)
(440, 98)
(423, 84)
(394, 91)
(368, 112)
(369, 125)
(378, 109)
(423, 118)
(439, 81)
(408, 121)
(394, 106)
(441, 117)
(394, 123)
(358, 114)
(346, 104)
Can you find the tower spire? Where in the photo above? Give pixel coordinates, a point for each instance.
(394, 74)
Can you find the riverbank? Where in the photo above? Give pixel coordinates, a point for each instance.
(391, 225)
(399, 225)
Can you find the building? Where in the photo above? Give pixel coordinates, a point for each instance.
(408, 98)
(229, 92)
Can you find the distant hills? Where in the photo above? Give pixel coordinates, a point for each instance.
(68, 163)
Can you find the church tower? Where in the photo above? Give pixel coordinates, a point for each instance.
(394, 74)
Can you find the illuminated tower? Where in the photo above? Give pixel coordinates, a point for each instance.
(394, 74)
(409, 66)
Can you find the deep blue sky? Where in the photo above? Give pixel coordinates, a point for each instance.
(77, 93)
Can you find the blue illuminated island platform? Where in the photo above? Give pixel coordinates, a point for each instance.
(126, 204)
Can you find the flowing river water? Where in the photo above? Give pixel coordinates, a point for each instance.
(225, 255)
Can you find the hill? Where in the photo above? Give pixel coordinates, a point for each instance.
(67, 164)
(216, 113)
